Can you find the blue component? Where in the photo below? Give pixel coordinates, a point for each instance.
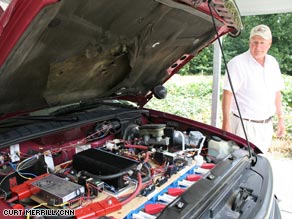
(154, 199)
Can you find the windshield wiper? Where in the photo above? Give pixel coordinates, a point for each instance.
(82, 106)
(48, 118)
(28, 119)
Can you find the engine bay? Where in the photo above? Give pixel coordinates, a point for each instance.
(130, 165)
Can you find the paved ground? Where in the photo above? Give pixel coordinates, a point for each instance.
(282, 171)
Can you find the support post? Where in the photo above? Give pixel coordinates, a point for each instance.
(216, 83)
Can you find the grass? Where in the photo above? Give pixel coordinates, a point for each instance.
(191, 97)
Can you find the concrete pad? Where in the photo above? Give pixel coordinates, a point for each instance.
(282, 172)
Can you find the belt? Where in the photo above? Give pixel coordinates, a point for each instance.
(256, 121)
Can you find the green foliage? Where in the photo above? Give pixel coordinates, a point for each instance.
(287, 104)
(192, 98)
(287, 94)
(281, 27)
(201, 64)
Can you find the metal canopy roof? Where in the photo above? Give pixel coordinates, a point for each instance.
(260, 7)
(4, 3)
(246, 7)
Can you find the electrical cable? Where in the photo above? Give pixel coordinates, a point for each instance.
(22, 173)
(148, 176)
(105, 177)
(136, 192)
(39, 205)
(22, 164)
(5, 194)
(136, 146)
(14, 198)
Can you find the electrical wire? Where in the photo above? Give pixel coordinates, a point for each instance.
(105, 177)
(22, 173)
(5, 194)
(14, 198)
(3, 179)
(136, 146)
(136, 192)
(22, 164)
(39, 205)
(46, 204)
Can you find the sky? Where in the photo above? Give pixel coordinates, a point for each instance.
(3, 5)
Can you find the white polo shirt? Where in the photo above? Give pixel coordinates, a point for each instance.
(255, 86)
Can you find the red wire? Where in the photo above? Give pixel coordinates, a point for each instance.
(14, 198)
(136, 192)
(136, 146)
(147, 156)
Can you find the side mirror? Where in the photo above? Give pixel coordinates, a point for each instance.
(160, 92)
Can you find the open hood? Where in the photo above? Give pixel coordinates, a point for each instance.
(62, 52)
(101, 158)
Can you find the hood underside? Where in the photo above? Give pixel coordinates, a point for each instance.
(76, 50)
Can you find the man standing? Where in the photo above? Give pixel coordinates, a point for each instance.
(257, 82)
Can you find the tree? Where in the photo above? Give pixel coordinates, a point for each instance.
(281, 48)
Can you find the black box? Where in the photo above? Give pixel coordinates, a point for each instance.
(102, 163)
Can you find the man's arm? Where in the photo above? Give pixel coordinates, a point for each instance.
(281, 123)
(226, 106)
